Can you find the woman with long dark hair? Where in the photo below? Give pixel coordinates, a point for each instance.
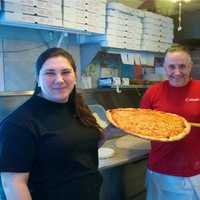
(49, 145)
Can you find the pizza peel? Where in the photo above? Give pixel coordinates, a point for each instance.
(194, 124)
(177, 137)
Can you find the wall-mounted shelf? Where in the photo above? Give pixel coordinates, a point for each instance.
(120, 50)
(46, 27)
(30, 92)
(16, 93)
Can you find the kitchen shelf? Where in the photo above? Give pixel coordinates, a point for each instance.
(35, 26)
(30, 92)
(88, 51)
(114, 88)
(16, 93)
(119, 51)
(46, 27)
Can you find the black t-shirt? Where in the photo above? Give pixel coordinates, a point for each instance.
(46, 139)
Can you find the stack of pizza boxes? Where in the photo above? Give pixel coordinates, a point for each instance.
(123, 27)
(85, 15)
(157, 32)
(46, 12)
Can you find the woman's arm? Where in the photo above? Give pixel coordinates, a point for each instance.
(15, 186)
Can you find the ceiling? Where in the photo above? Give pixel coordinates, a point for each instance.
(164, 7)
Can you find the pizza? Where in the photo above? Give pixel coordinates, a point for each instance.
(149, 124)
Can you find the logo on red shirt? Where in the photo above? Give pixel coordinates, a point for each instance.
(188, 99)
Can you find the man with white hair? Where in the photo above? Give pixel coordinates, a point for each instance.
(174, 167)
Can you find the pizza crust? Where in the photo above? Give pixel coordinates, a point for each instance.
(109, 117)
(182, 134)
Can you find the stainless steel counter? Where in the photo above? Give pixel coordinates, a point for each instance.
(127, 149)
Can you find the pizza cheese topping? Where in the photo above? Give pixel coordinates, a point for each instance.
(149, 123)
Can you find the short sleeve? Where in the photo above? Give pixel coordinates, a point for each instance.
(17, 148)
(146, 101)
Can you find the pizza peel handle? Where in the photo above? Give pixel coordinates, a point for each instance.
(194, 124)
